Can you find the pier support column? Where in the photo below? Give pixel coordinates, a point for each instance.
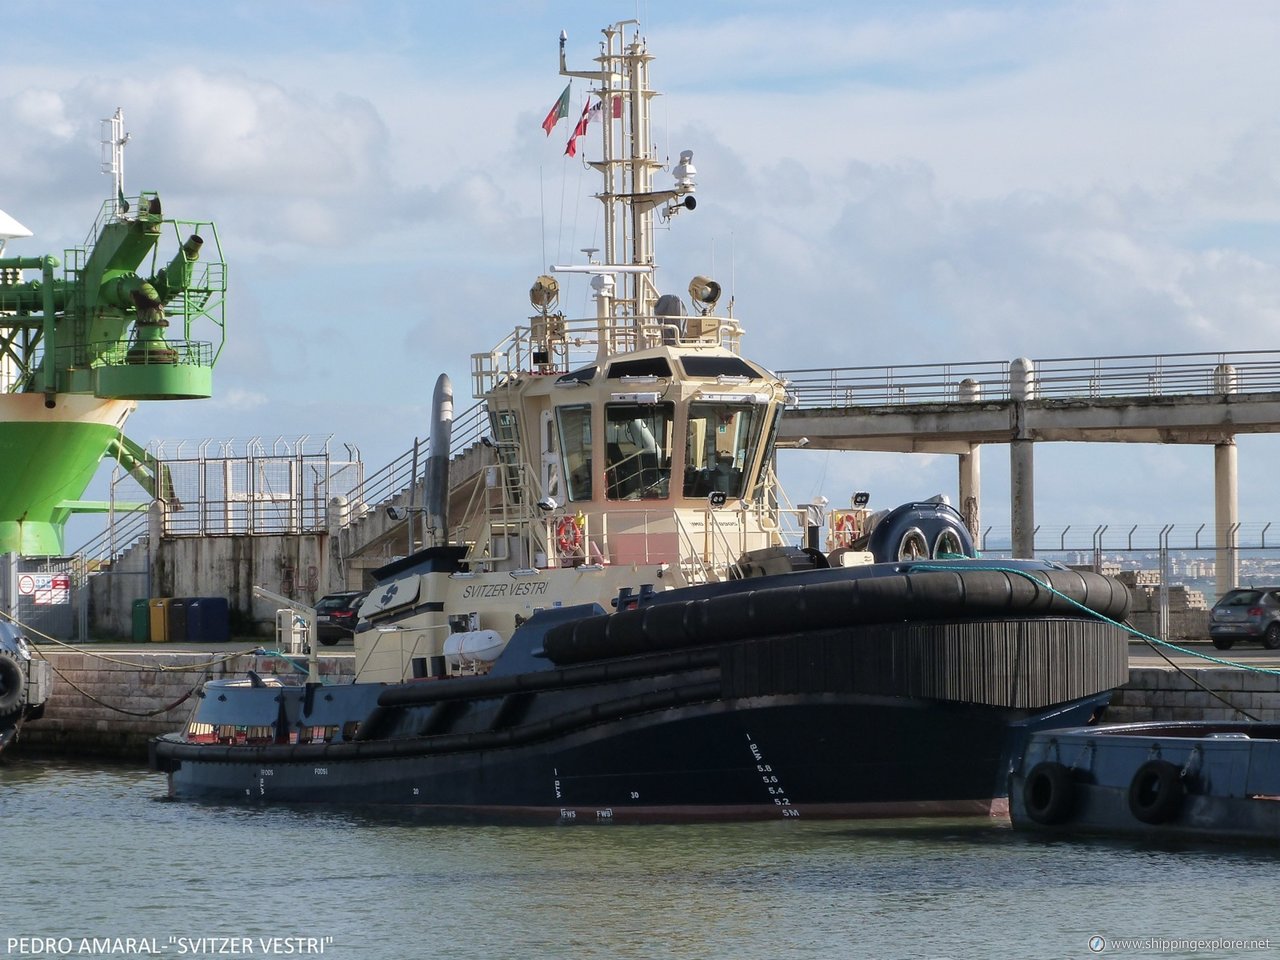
(1022, 498)
(970, 489)
(971, 469)
(1022, 387)
(1226, 515)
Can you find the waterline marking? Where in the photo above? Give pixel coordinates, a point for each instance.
(1099, 944)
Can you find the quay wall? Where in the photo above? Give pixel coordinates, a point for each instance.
(1163, 693)
(293, 565)
(109, 705)
(158, 691)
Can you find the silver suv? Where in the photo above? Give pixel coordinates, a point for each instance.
(1247, 613)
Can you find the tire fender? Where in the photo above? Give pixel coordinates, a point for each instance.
(13, 684)
(1156, 792)
(1049, 793)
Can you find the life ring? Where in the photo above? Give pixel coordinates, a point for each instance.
(13, 684)
(1049, 793)
(1156, 792)
(846, 527)
(568, 536)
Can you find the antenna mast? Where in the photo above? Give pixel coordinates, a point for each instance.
(113, 140)
(628, 166)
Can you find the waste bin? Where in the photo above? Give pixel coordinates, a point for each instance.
(159, 609)
(178, 619)
(208, 620)
(141, 621)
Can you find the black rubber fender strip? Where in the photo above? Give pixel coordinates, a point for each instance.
(960, 594)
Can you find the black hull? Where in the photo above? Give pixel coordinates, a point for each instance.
(771, 758)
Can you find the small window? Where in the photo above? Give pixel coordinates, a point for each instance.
(585, 375)
(575, 449)
(644, 367)
(719, 367)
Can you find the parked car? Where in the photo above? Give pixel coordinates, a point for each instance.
(1246, 613)
(336, 615)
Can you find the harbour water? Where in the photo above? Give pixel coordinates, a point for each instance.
(101, 865)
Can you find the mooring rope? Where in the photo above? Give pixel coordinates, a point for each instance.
(163, 667)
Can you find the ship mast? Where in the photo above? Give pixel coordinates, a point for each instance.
(113, 140)
(627, 168)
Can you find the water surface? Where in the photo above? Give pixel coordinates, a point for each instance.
(97, 853)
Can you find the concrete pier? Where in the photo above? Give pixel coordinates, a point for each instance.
(108, 702)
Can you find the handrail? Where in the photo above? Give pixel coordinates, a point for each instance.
(1138, 375)
(1133, 537)
(469, 428)
(553, 345)
(127, 527)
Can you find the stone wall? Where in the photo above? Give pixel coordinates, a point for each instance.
(83, 715)
(1162, 693)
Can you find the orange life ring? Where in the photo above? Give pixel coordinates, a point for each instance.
(568, 536)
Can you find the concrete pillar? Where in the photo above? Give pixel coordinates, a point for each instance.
(1226, 515)
(1022, 498)
(971, 468)
(1022, 387)
(970, 488)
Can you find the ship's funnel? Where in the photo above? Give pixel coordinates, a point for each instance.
(437, 478)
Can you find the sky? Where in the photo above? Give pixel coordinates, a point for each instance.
(878, 183)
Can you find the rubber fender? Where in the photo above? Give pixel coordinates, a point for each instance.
(13, 683)
(1049, 793)
(1156, 792)
(664, 627)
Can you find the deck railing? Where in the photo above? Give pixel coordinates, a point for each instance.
(1154, 375)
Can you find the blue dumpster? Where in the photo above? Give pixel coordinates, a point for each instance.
(208, 620)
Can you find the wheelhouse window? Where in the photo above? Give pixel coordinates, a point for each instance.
(722, 443)
(638, 455)
(575, 449)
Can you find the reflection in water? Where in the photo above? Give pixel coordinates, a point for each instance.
(109, 859)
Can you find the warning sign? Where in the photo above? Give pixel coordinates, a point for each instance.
(45, 588)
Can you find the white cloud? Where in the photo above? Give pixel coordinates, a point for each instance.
(884, 184)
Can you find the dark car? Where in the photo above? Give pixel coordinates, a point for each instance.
(1247, 613)
(336, 616)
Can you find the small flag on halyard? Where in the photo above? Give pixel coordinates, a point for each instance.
(590, 112)
(560, 110)
(124, 204)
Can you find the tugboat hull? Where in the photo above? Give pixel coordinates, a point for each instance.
(878, 720)
(773, 757)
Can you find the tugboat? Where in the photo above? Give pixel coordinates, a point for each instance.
(617, 617)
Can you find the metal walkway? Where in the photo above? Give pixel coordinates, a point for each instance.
(1204, 398)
